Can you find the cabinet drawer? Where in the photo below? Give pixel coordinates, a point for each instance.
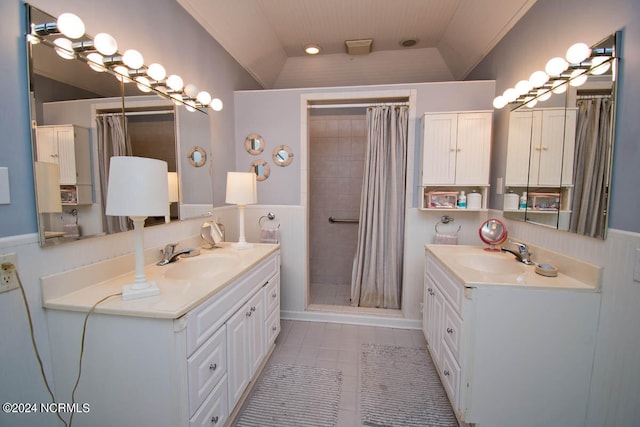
(206, 367)
(450, 374)
(452, 330)
(273, 327)
(204, 320)
(213, 411)
(272, 294)
(452, 290)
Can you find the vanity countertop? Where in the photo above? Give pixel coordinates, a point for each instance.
(475, 267)
(81, 288)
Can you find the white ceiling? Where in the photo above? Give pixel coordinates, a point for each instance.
(267, 37)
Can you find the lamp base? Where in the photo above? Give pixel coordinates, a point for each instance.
(140, 290)
(241, 245)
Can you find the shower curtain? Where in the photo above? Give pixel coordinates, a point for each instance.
(591, 163)
(376, 279)
(112, 141)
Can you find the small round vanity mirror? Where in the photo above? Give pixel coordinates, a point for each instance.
(282, 155)
(261, 169)
(493, 232)
(254, 144)
(197, 156)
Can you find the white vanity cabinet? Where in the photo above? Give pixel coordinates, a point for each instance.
(456, 151)
(186, 371)
(68, 147)
(510, 355)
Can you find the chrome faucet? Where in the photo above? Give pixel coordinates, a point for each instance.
(522, 254)
(169, 253)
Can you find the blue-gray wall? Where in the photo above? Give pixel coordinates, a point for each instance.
(547, 30)
(162, 31)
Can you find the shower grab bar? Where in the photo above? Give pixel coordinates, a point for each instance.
(333, 220)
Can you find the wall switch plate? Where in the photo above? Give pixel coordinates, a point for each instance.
(636, 270)
(500, 185)
(8, 277)
(5, 196)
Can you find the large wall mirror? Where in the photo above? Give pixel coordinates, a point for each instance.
(75, 114)
(560, 146)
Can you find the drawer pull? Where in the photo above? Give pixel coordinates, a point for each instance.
(450, 331)
(248, 313)
(253, 308)
(274, 328)
(446, 373)
(274, 295)
(214, 419)
(213, 366)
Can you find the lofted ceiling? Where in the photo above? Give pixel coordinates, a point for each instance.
(267, 37)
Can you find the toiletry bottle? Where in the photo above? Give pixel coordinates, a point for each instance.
(462, 201)
(523, 200)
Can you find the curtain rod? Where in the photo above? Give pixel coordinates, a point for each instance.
(593, 96)
(135, 113)
(361, 105)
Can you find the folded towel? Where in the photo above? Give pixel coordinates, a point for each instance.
(446, 238)
(269, 235)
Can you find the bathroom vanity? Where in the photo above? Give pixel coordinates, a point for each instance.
(183, 358)
(511, 347)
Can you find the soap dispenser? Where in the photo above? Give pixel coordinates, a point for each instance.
(523, 200)
(462, 201)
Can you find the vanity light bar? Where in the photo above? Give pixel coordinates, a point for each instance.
(128, 66)
(574, 71)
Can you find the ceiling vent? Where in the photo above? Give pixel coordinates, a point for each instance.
(359, 47)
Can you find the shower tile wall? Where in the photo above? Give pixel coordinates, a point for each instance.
(336, 162)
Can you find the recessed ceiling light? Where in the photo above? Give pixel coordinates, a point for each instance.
(312, 49)
(408, 42)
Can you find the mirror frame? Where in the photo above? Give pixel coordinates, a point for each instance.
(250, 141)
(192, 156)
(277, 153)
(255, 165)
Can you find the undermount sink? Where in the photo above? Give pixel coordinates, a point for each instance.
(198, 268)
(491, 262)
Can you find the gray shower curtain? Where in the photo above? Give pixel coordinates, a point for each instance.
(376, 279)
(112, 141)
(591, 163)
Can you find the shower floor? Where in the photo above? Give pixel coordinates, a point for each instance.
(330, 294)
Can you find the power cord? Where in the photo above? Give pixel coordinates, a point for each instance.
(9, 267)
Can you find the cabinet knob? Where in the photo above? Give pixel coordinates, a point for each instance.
(446, 373)
(450, 330)
(274, 328)
(273, 295)
(214, 419)
(213, 366)
(253, 308)
(248, 313)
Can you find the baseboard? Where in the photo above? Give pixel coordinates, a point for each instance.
(352, 319)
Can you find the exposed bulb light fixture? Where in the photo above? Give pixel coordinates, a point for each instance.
(578, 53)
(499, 102)
(556, 66)
(523, 87)
(312, 49)
(600, 65)
(510, 94)
(544, 94)
(70, 25)
(578, 77)
(559, 86)
(101, 54)
(538, 79)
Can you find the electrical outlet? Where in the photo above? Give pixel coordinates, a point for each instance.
(636, 270)
(8, 278)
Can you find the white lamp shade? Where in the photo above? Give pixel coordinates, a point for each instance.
(172, 179)
(137, 187)
(48, 187)
(241, 188)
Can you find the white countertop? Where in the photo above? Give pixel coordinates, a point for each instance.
(80, 289)
(518, 274)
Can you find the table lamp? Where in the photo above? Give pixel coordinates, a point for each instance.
(241, 191)
(138, 189)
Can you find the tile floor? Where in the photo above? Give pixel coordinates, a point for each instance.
(337, 346)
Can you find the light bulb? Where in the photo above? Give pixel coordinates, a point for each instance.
(578, 77)
(530, 102)
(156, 72)
(191, 90)
(143, 84)
(105, 44)
(599, 65)
(175, 82)
(523, 87)
(63, 48)
(176, 98)
(544, 94)
(499, 102)
(538, 78)
(70, 25)
(559, 86)
(578, 53)
(312, 49)
(216, 104)
(133, 59)
(510, 94)
(122, 73)
(556, 66)
(190, 106)
(95, 62)
(204, 98)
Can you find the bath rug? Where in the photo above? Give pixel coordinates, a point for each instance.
(400, 387)
(293, 396)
